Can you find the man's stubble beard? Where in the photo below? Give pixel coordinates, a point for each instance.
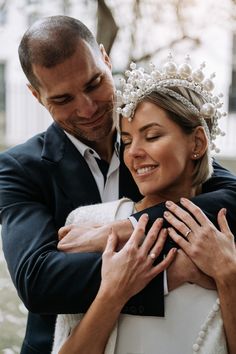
(95, 134)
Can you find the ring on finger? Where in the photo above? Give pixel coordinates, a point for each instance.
(187, 233)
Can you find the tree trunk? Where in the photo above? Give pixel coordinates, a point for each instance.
(106, 26)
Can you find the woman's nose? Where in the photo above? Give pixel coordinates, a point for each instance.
(136, 150)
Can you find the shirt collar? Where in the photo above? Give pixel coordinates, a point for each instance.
(84, 149)
(117, 143)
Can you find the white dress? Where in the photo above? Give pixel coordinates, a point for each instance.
(192, 322)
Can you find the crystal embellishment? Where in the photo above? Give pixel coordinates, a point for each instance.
(139, 83)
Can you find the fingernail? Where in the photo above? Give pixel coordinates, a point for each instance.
(159, 219)
(145, 215)
(174, 250)
(183, 200)
(224, 211)
(168, 204)
(169, 229)
(166, 213)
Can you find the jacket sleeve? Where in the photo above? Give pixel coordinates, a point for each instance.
(49, 281)
(218, 192)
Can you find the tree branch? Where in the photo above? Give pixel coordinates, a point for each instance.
(148, 56)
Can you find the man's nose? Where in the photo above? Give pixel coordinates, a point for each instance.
(86, 106)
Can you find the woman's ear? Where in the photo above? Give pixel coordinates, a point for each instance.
(200, 143)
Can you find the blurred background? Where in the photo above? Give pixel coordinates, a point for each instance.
(130, 30)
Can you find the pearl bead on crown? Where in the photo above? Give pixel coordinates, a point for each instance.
(140, 83)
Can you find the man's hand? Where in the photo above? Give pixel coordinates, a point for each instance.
(92, 238)
(183, 270)
(85, 238)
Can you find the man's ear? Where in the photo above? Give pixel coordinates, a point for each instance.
(34, 92)
(200, 143)
(105, 56)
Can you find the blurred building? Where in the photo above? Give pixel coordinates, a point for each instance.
(21, 116)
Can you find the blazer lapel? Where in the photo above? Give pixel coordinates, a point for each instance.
(70, 170)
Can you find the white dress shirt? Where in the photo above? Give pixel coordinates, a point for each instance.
(110, 190)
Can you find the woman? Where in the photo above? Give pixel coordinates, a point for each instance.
(168, 122)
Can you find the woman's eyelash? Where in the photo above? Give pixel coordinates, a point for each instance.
(126, 143)
(153, 137)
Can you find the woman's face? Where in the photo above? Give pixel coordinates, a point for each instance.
(157, 153)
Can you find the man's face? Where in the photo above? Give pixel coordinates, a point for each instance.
(79, 93)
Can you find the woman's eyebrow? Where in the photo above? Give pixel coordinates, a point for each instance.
(143, 128)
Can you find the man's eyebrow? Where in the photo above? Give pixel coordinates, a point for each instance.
(67, 94)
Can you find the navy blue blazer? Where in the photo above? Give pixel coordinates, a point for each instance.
(41, 182)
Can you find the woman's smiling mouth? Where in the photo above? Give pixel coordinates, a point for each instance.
(145, 170)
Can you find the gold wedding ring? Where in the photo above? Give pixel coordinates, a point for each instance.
(187, 233)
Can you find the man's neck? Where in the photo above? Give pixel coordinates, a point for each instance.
(105, 147)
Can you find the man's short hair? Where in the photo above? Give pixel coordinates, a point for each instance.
(50, 41)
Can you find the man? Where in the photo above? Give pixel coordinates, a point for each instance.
(42, 180)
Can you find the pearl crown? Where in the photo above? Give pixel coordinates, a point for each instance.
(140, 83)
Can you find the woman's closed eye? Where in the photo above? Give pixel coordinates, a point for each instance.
(149, 138)
(153, 137)
(126, 142)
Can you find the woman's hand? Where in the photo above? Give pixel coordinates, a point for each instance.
(213, 251)
(124, 273)
(128, 271)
